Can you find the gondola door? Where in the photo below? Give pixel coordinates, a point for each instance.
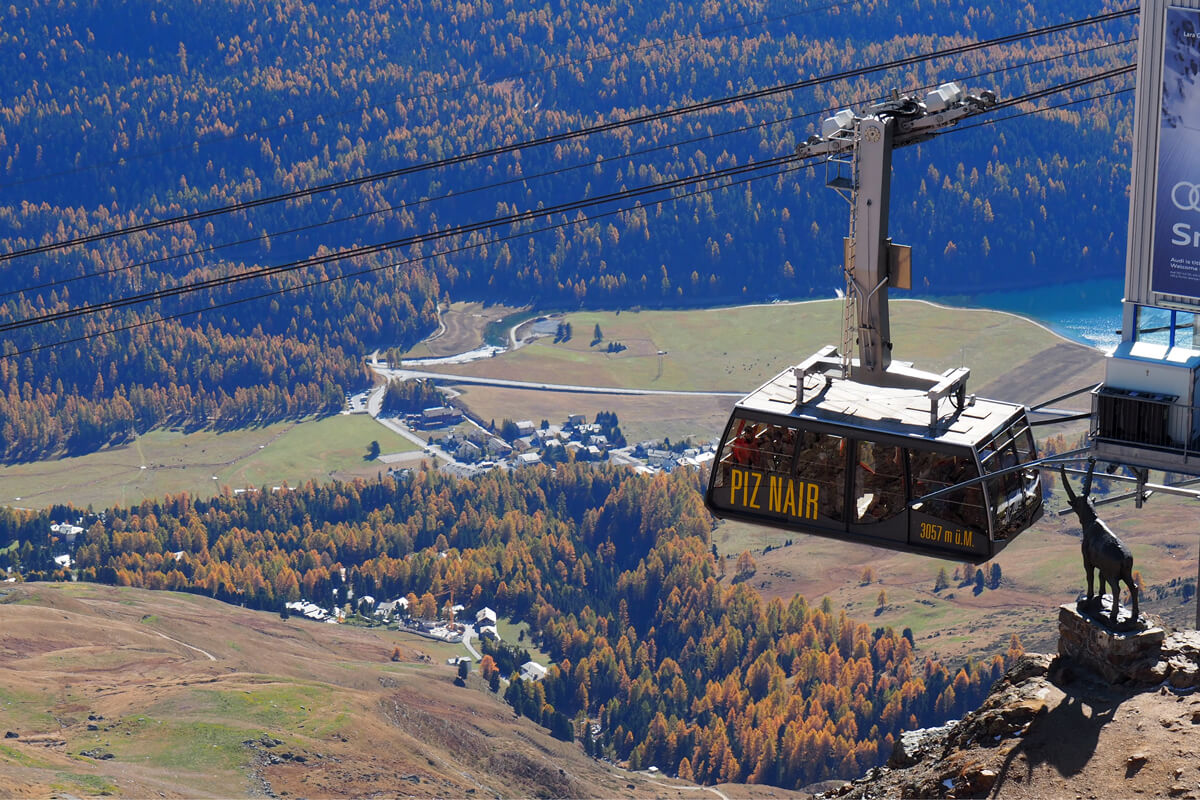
(878, 493)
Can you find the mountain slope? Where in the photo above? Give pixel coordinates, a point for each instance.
(134, 693)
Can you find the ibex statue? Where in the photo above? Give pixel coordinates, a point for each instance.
(1102, 550)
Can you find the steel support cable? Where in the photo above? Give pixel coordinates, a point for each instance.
(1032, 111)
(291, 266)
(368, 270)
(515, 218)
(513, 236)
(561, 137)
(1062, 87)
(611, 54)
(511, 181)
(524, 178)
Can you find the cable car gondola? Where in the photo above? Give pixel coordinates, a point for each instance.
(869, 450)
(854, 462)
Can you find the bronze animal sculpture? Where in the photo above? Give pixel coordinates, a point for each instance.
(1102, 550)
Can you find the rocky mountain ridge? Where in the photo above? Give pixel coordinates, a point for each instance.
(1111, 715)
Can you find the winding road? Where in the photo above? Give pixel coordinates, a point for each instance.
(410, 374)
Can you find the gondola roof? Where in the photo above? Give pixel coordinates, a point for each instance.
(890, 410)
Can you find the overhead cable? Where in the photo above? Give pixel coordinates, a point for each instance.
(275, 234)
(521, 234)
(561, 137)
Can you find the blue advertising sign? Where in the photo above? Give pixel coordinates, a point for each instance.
(1176, 265)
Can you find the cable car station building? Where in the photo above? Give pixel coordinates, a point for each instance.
(1146, 412)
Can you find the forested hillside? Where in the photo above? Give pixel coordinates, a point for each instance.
(115, 116)
(612, 571)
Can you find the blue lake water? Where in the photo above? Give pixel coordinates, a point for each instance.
(1086, 311)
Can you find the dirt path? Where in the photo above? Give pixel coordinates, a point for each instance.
(205, 653)
(677, 788)
(461, 329)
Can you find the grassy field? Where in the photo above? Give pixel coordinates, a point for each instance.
(736, 349)
(730, 349)
(167, 461)
(510, 633)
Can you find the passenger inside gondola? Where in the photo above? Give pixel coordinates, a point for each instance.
(746, 448)
(821, 460)
(778, 444)
(879, 483)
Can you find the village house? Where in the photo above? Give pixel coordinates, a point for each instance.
(459, 470)
(392, 608)
(469, 450)
(307, 609)
(67, 531)
(532, 671)
(497, 447)
(663, 459)
(440, 415)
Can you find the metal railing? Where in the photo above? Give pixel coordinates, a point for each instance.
(1144, 419)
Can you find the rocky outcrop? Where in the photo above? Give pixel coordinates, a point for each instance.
(1057, 716)
(938, 762)
(1150, 656)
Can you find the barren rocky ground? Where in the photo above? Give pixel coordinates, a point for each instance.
(1053, 728)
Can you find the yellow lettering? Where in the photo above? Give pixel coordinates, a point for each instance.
(737, 480)
(810, 503)
(951, 537)
(789, 503)
(754, 497)
(775, 502)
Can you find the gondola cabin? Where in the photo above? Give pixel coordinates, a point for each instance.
(855, 462)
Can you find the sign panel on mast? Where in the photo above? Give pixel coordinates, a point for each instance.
(1175, 269)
